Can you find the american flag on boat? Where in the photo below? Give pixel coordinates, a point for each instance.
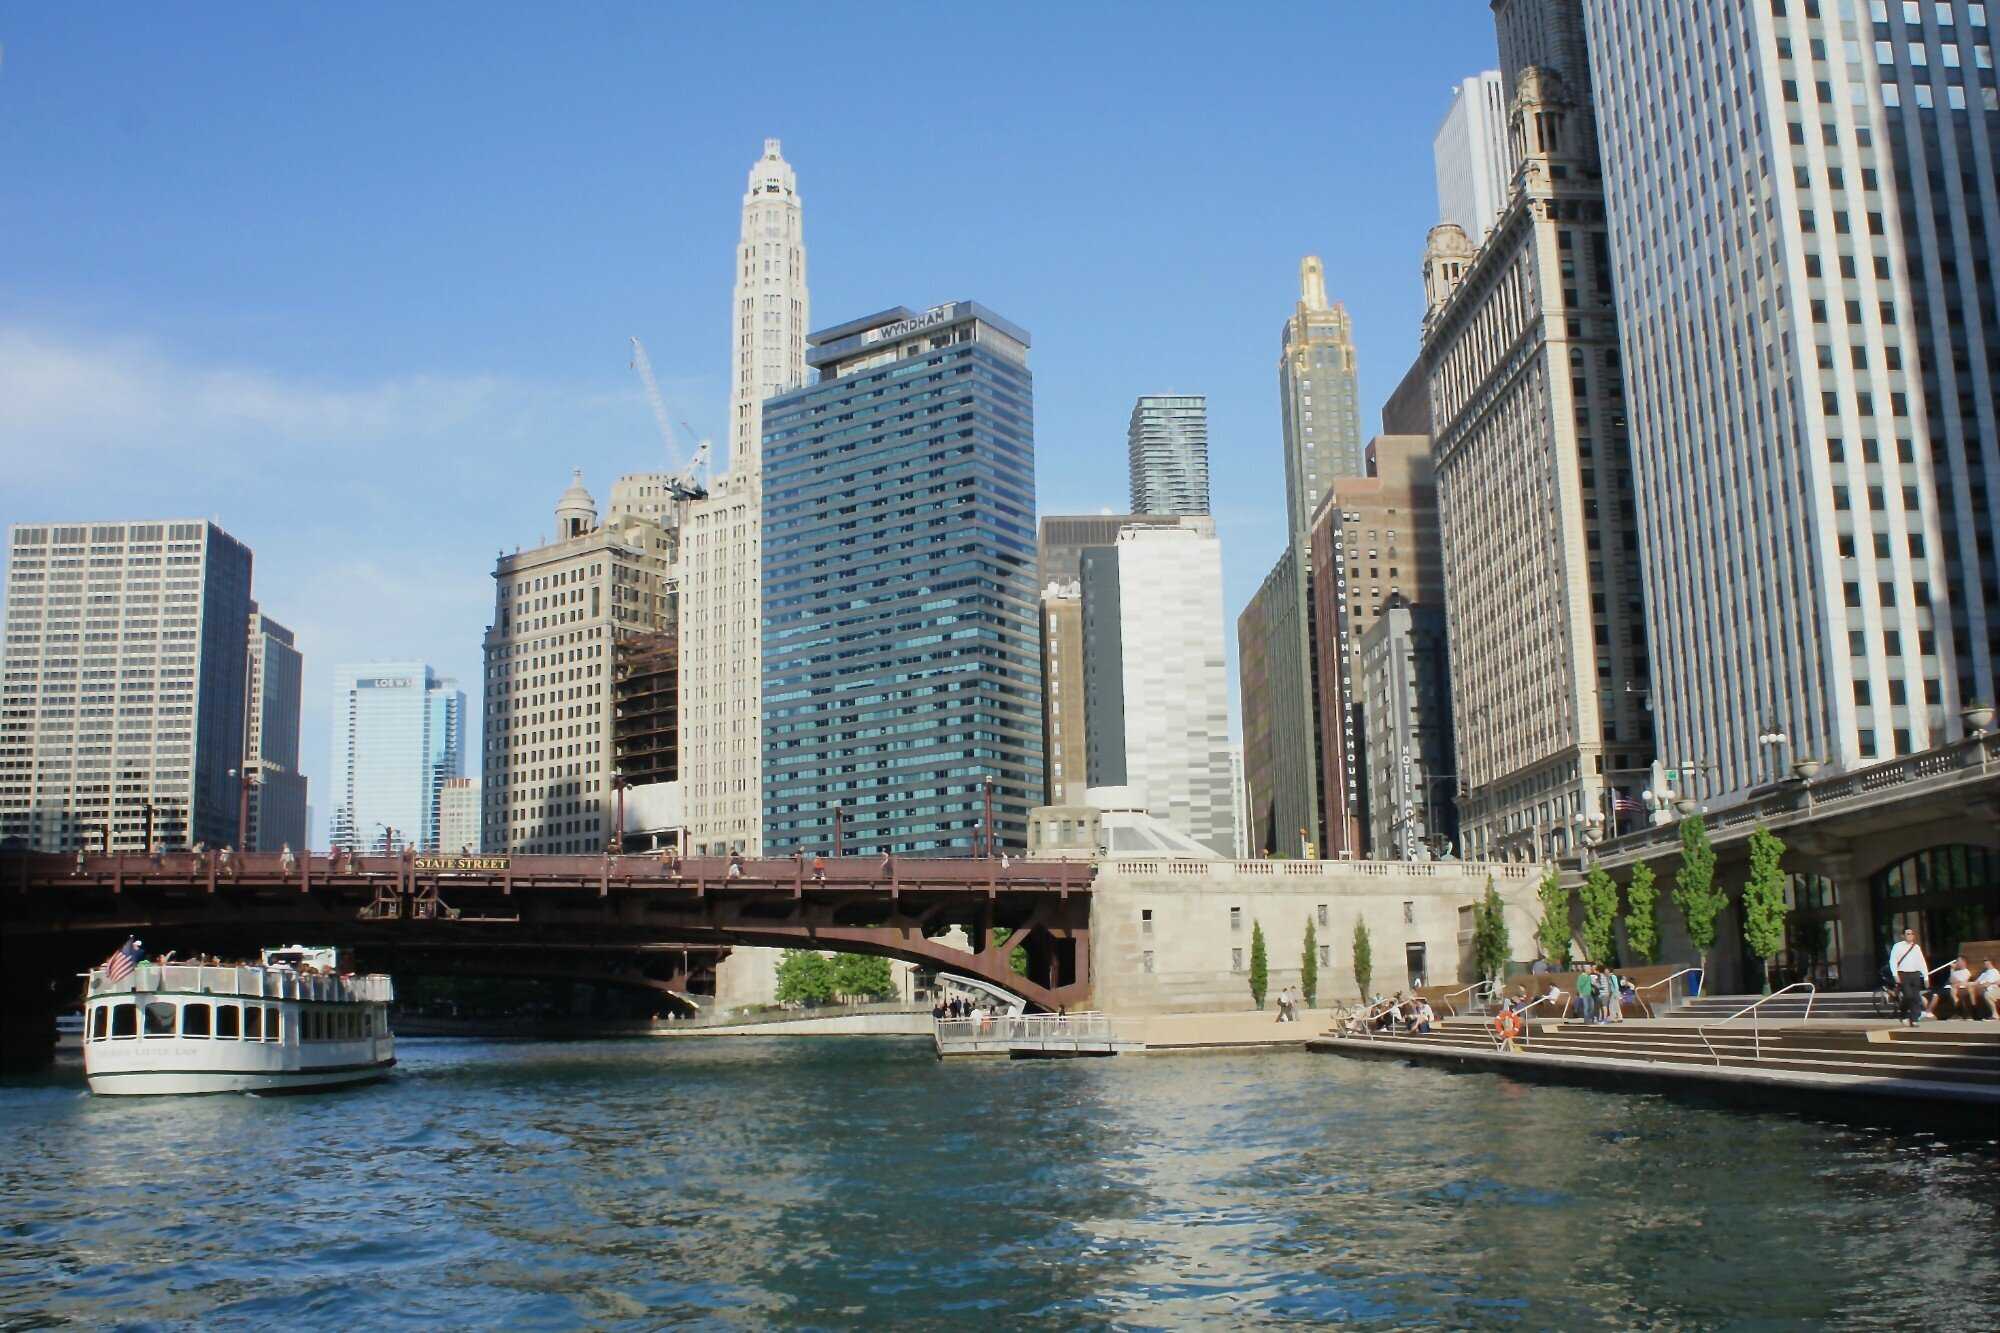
(119, 965)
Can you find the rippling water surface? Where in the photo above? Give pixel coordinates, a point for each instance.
(855, 1181)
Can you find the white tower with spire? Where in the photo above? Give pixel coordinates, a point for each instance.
(768, 321)
(721, 602)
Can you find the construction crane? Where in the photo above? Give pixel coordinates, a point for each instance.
(682, 485)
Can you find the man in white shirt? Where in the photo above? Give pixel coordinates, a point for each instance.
(1907, 966)
(1987, 985)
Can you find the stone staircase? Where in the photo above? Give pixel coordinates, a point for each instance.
(1958, 1054)
(1826, 1004)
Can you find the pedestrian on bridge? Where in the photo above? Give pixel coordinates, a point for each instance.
(819, 869)
(735, 866)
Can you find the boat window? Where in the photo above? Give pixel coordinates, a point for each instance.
(194, 1020)
(253, 1022)
(124, 1020)
(274, 1023)
(100, 1019)
(159, 1019)
(228, 1020)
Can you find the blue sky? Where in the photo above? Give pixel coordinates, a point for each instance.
(356, 281)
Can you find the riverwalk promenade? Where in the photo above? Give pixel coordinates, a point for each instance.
(1946, 1073)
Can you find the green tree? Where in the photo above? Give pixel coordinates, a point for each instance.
(1364, 959)
(1017, 959)
(1490, 945)
(1552, 933)
(1642, 914)
(1764, 900)
(1260, 966)
(1309, 965)
(1695, 893)
(859, 976)
(1600, 914)
(804, 977)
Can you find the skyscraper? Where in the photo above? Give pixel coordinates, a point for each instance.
(271, 738)
(1535, 494)
(1282, 729)
(1471, 156)
(1813, 358)
(721, 540)
(1166, 446)
(124, 684)
(1375, 544)
(1318, 396)
(562, 613)
(398, 735)
(1403, 679)
(900, 645)
(1158, 710)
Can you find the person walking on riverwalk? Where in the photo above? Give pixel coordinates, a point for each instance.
(1907, 966)
(1586, 995)
(1614, 1008)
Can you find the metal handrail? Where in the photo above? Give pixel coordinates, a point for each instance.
(1756, 1024)
(1463, 990)
(1493, 1034)
(1639, 992)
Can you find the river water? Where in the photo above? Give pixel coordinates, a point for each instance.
(856, 1182)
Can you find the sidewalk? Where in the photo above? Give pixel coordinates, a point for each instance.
(1245, 1029)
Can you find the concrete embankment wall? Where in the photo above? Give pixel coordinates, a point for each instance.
(818, 1025)
(1174, 936)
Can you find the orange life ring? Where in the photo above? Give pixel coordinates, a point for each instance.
(1507, 1023)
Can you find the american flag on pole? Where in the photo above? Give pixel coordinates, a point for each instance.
(119, 965)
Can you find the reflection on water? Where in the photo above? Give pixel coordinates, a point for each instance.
(854, 1181)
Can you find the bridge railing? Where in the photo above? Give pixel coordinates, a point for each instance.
(1971, 758)
(1040, 1031)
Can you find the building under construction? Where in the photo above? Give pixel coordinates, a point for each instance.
(646, 709)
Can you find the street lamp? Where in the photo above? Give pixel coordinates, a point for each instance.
(1771, 738)
(986, 837)
(248, 779)
(838, 814)
(618, 829)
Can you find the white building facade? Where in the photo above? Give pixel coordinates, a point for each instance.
(558, 610)
(1153, 634)
(458, 816)
(1470, 153)
(722, 550)
(1802, 213)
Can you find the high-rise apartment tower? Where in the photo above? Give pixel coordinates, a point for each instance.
(1804, 208)
(900, 645)
(1166, 445)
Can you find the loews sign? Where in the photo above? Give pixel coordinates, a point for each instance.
(937, 314)
(461, 862)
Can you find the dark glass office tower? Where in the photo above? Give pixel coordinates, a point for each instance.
(901, 662)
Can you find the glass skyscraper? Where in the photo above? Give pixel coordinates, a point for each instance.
(901, 662)
(398, 735)
(1167, 448)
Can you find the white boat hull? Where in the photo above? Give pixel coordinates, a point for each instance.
(180, 1082)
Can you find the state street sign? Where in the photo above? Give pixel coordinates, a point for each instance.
(469, 863)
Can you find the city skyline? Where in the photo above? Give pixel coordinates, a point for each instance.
(530, 378)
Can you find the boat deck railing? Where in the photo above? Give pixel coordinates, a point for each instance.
(254, 982)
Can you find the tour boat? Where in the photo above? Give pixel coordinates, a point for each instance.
(290, 1023)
